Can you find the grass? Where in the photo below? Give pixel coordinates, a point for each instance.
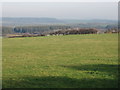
(73, 61)
(0, 62)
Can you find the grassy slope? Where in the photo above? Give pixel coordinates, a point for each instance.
(84, 61)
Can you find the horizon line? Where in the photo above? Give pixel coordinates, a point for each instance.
(64, 18)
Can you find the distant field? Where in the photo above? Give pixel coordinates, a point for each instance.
(73, 61)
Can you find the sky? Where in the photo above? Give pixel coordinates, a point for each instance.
(59, 0)
(62, 10)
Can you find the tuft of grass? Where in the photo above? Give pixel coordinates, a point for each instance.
(73, 61)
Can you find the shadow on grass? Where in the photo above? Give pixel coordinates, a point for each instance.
(110, 69)
(58, 82)
(67, 82)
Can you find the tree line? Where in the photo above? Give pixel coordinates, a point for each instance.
(43, 30)
(75, 31)
(31, 29)
(60, 32)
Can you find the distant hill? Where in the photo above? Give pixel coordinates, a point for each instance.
(46, 20)
(90, 21)
(29, 21)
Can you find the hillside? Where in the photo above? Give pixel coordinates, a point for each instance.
(47, 20)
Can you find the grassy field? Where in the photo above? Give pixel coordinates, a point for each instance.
(73, 61)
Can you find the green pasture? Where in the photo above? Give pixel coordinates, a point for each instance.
(71, 61)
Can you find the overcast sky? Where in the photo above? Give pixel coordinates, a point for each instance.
(62, 10)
